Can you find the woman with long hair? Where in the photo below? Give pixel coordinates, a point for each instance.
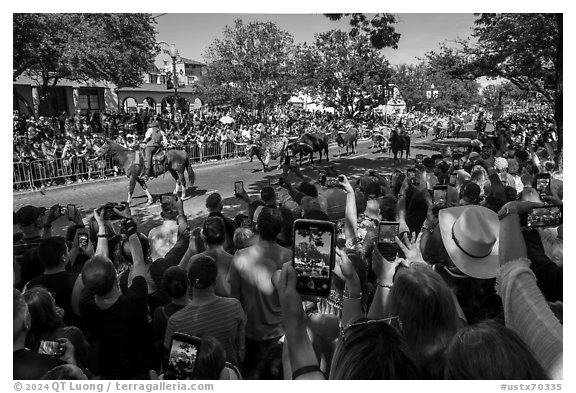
(47, 324)
(489, 350)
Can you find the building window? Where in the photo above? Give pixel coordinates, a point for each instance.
(153, 78)
(88, 100)
(162, 79)
(192, 80)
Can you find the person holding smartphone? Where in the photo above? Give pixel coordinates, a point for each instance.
(26, 363)
(163, 237)
(119, 321)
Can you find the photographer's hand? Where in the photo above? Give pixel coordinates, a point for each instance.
(68, 355)
(102, 246)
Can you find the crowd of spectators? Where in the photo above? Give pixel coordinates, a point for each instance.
(470, 294)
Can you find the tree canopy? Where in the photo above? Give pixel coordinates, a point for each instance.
(378, 28)
(112, 47)
(253, 64)
(525, 49)
(347, 72)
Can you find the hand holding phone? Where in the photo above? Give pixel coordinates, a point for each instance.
(71, 212)
(386, 241)
(452, 179)
(82, 240)
(542, 217)
(542, 184)
(313, 258)
(52, 348)
(184, 350)
(238, 189)
(439, 198)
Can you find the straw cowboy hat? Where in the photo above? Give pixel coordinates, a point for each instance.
(470, 236)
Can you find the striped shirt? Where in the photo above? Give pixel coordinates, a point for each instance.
(222, 319)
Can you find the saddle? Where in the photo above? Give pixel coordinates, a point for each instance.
(159, 161)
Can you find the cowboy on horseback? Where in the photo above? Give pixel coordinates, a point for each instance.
(154, 140)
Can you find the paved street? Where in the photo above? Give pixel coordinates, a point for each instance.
(213, 178)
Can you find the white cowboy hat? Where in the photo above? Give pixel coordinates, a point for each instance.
(470, 236)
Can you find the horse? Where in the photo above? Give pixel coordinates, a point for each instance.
(347, 139)
(175, 161)
(399, 143)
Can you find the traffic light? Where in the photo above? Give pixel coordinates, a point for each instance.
(169, 81)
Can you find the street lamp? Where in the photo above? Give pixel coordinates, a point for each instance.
(173, 51)
(431, 94)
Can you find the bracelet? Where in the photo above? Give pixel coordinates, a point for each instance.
(305, 370)
(104, 235)
(389, 286)
(351, 297)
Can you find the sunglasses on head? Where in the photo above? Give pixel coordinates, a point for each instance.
(345, 330)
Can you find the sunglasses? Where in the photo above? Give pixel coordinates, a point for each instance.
(345, 330)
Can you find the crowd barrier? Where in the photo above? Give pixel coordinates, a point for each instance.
(60, 171)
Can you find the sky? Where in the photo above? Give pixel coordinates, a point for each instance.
(420, 33)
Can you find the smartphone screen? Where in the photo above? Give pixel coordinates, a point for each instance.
(452, 180)
(332, 182)
(313, 257)
(71, 212)
(52, 348)
(542, 217)
(455, 164)
(387, 232)
(182, 358)
(82, 240)
(543, 184)
(239, 188)
(439, 198)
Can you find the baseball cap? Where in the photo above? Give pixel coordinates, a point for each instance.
(473, 155)
(28, 214)
(309, 204)
(203, 272)
(372, 191)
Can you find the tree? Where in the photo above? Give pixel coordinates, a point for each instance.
(525, 49)
(116, 48)
(348, 71)
(252, 64)
(379, 28)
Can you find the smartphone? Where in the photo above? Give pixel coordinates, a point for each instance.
(184, 350)
(53, 348)
(542, 217)
(387, 232)
(71, 212)
(239, 188)
(313, 258)
(82, 240)
(322, 178)
(419, 159)
(439, 198)
(452, 179)
(455, 164)
(542, 184)
(332, 182)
